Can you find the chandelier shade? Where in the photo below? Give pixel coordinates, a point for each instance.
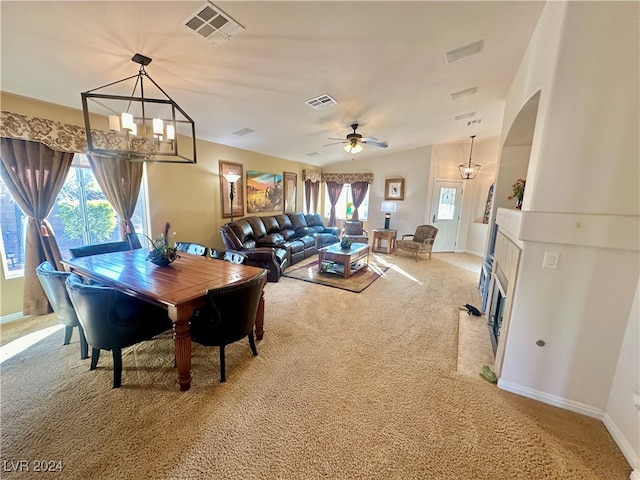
(469, 170)
(134, 118)
(353, 147)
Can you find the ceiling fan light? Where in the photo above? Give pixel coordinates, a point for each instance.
(353, 148)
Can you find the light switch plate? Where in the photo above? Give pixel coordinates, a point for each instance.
(551, 260)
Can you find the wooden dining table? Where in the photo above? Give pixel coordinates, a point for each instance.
(180, 288)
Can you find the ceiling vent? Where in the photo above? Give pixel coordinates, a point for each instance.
(243, 131)
(471, 123)
(466, 51)
(212, 24)
(464, 93)
(313, 154)
(465, 115)
(320, 102)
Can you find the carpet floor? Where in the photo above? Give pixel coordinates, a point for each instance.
(346, 386)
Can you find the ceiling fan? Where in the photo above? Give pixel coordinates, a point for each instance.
(354, 141)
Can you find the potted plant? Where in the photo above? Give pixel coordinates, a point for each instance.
(162, 253)
(517, 192)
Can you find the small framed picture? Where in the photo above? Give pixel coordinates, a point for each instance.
(394, 189)
(290, 191)
(238, 190)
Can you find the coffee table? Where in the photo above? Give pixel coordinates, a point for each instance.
(341, 261)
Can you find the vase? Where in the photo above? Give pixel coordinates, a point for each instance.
(161, 262)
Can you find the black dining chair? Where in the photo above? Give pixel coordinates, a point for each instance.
(98, 248)
(192, 248)
(113, 320)
(53, 284)
(228, 256)
(228, 316)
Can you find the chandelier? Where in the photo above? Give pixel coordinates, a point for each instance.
(468, 171)
(123, 120)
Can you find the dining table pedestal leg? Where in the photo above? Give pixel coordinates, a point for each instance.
(182, 344)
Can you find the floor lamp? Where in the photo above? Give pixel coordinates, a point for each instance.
(231, 178)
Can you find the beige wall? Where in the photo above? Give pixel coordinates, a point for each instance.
(187, 196)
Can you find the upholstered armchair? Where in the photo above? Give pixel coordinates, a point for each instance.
(419, 242)
(354, 232)
(228, 316)
(112, 320)
(53, 284)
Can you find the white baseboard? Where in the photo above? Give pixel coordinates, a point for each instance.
(470, 252)
(554, 400)
(623, 444)
(11, 317)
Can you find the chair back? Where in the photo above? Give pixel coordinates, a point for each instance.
(425, 232)
(192, 248)
(98, 248)
(53, 284)
(353, 227)
(230, 313)
(228, 256)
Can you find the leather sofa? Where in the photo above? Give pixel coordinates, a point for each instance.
(277, 241)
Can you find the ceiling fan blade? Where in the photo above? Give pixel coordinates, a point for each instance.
(369, 139)
(334, 143)
(332, 138)
(376, 144)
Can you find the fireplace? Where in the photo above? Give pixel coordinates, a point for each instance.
(494, 318)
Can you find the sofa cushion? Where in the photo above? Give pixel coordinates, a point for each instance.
(271, 224)
(258, 227)
(270, 239)
(284, 221)
(297, 221)
(242, 229)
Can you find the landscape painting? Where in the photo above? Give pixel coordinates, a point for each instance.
(264, 192)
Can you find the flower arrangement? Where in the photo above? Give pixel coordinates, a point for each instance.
(518, 191)
(163, 253)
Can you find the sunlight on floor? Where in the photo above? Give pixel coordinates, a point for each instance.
(13, 348)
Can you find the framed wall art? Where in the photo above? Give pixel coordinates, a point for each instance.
(290, 191)
(394, 189)
(238, 190)
(264, 192)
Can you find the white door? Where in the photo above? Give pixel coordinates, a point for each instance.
(447, 198)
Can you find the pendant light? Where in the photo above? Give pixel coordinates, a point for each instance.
(468, 171)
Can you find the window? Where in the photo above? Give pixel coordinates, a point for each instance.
(81, 216)
(344, 206)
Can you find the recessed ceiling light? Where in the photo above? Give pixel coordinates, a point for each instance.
(463, 52)
(464, 93)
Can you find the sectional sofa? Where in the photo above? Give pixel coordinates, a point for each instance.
(276, 242)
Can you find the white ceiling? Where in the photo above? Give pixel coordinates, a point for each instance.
(382, 61)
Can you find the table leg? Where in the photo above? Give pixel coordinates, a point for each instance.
(259, 330)
(182, 344)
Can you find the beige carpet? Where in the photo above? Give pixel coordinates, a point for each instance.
(346, 386)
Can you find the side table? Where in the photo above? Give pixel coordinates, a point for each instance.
(387, 234)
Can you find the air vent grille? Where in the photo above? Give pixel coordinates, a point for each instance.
(465, 115)
(313, 154)
(212, 24)
(464, 93)
(243, 131)
(321, 101)
(463, 52)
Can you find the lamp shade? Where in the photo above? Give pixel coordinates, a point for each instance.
(353, 148)
(388, 207)
(231, 177)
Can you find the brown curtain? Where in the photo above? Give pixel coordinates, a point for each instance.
(358, 192)
(311, 191)
(333, 190)
(119, 179)
(35, 174)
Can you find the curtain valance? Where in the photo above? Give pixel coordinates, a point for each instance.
(61, 137)
(312, 175)
(347, 177)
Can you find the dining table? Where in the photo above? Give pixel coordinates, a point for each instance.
(180, 287)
